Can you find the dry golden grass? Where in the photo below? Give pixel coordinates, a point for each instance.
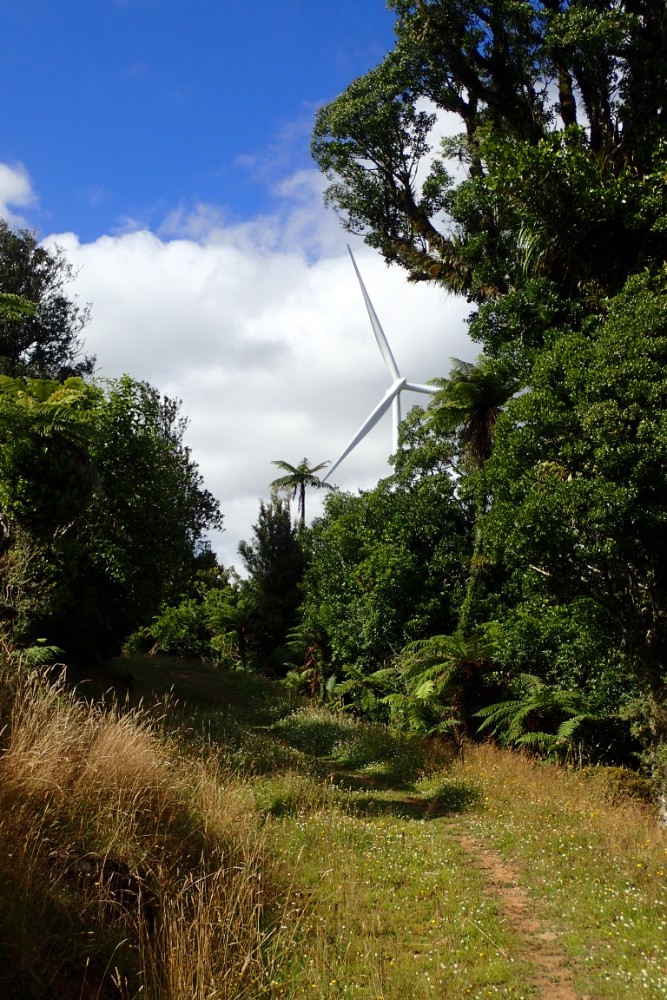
(520, 786)
(134, 868)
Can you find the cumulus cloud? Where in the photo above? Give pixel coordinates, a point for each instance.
(15, 192)
(261, 330)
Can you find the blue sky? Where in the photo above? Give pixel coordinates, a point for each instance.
(165, 147)
(122, 109)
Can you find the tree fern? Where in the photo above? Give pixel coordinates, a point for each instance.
(429, 685)
(541, 717)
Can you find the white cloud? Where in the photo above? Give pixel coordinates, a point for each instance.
(261, 330)
(15, 192)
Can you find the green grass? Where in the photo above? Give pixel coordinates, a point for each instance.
(386, 908)
(597, 865)
(204, 692)
(357, 881)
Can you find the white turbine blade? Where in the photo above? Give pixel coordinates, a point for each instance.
(382, 342)
(368, 424)
(430, 390)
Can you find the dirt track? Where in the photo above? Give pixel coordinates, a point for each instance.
(521, 913)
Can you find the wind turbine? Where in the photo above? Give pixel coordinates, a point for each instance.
(392, 397)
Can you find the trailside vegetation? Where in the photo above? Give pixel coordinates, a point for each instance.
(548, 212)
(101, 510)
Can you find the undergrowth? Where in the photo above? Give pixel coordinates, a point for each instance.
(233, 844)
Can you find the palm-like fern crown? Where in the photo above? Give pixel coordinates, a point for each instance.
(297, 479)
(468, 403)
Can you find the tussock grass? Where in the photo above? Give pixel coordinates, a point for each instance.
(127, 867)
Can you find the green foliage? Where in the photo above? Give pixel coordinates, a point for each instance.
(40, 654)
(435, 684)
(590, 219)
(538, 717)
(305, 660)
(101, 509)
(350, 745)
(40, 326)
(555, 228)
(47, 483)
(216, 625)
(371, 138)
(155, 508)
(468, 403)
(181, 630)
(385, 567)
(275, 564)
(232, 616)
(15, 307)
(45, 431)
(569, 645)
(578, 512)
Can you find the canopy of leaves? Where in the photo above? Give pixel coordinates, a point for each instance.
(101, 509)
(558, 173)
(40, 326)
(579, 509)
(386, 567)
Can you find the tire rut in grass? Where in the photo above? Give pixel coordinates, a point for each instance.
(552, 977)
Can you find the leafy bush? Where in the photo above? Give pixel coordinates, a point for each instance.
(181, 630)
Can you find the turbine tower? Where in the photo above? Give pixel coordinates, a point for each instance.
(392, 397)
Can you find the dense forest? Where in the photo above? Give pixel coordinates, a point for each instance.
(508, 579)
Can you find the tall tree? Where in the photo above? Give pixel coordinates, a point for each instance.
(274, 561)
(298, 478)
(43, 341)
(563, 129)
(101, 509)
(155, 508)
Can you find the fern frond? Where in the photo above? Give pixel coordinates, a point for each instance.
(385, 674)
(494, 715)
(544, 741)
(425, 691)
(568, 727)
(40, 655)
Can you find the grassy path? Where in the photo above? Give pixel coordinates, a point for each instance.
(403, 874)
(540, 944)
(394, 908)
(493, 877)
